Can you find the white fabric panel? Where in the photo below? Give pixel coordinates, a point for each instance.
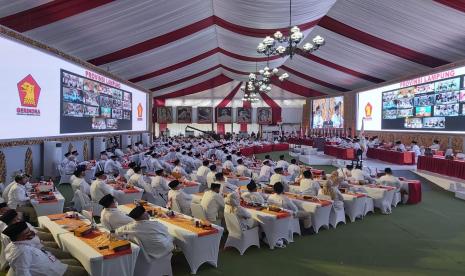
(292, 115)
(9, 7)
(188, 83)
(327, 74)
(363, 58)
(266, 14)
(248, 66)
(311, 85)
(424, 26)
(166, 55)
(198, 99)
(183, 72)
(120, 24)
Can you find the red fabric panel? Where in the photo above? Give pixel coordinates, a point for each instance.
(275, 108)
(455, 4)
(342, 68)
(175, 66)
(208, 84)
(296, 88)
(379, 43)
(48, 13)
(414, 191)
(245, 104)
(245, 58)
(157, 103)
(224, 103)
(315, 80)
(186, 78)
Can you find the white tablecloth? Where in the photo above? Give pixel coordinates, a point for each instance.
(197, 250)
(92, 261)
(354, 206)
(49, 208)
(320, 214)
(125, 198)
(382, 198)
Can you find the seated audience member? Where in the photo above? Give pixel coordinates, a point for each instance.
(160, 186)
(330, 192)
(112, 166)
(346, 172)
(203, 170)
(389, 180)
(99, 187)
(252, 196)
(211, 175)
(18, 199)
(111, 217)
(435, 146)
(178, 200)
(293, 169)
(25, 258)
(415, 148)
(213, 204)
(242, 170)
(307, 185)
(226, 187)
(137, 180)
(80, 183)
(282, 163)
(278, 177)
(233, 206)
(337, 181)
(265, 172)
(228, 164)
(130, 171)
(400, 147)
(279, 199)
(151, 235)
(178, 169)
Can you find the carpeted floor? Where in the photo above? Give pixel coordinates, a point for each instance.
(423, 239)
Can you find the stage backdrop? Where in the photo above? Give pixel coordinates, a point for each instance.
(43, 95)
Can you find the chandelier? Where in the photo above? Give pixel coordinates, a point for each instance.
(288, 45)
(261, 82)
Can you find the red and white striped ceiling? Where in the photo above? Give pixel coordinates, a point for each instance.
(171, 46)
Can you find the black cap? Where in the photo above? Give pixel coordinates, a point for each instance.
(3, 205)
(99, 173)
(113, 156)
(75, 152)
(159, 171)
(173, 184)
(251, 186)
(103, 152)
(137, 212)
(106, 201)
(67, 154)
(8, 216)
(14, 230)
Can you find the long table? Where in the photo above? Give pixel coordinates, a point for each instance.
(453, 168)
(340, 153)
(44, 208)
(247, 151)
(391, 156)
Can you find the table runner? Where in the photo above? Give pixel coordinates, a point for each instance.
(322, 202)
(279, 215)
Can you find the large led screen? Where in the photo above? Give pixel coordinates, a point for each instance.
(328, 112)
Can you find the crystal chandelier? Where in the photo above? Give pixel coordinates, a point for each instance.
(288, 45)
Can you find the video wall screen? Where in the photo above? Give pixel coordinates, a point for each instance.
(430, 103)
(89, 106)
(328, 112)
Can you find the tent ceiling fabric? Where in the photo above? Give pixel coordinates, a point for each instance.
(169, 46)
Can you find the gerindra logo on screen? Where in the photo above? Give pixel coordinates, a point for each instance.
(368, 111)
(140, 111)
(29, 92)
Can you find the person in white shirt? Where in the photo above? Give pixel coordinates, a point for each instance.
(226, 187)
(130, 171)
(211, 175)
(19, 200)
(252, 196)
(203, 170)
(242, 170)
(160, 187)
(178, 200)
(328, 191)
(400, 147)
(336, 119)
(307, 185)
(178, 169)
(293, 169)
(153, 164)
(233, 206)
(80, 183)
(265, 172)
(70, 166)
(65, 160)
(150, 235)
(213, 204)
(435, 146)
(282, 163)
(279, 199)
(389, 180)
(26, 259)
(99, 188)
(111, 217)
(228, 164)
(416, 149)
(278, 177)
(112, 166)
(137, 180)
(103, 159)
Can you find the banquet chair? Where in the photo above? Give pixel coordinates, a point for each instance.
(384, 204)
(294, 228)
(369, 206)
(337, 215)
(96, 208)
(396, 199)
(81, 201)
(197, 211)
(157, 267)
(203, 183)
(238, 238)
(64, 178)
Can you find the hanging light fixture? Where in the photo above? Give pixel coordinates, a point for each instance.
(283, 45)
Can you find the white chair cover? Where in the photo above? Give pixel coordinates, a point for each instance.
(396, 198)
(241, 240)
(294, 228)
(157, 267)
(197, 211)
(337, 215)
(81, 201)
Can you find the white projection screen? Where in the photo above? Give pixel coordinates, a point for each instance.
(42, 95)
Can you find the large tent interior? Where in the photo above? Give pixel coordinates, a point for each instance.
(335, 85)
